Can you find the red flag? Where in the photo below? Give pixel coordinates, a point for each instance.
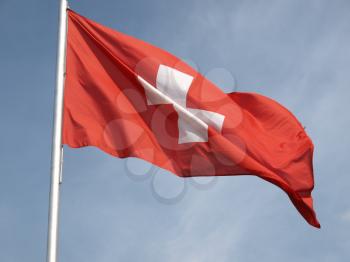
(130, 98)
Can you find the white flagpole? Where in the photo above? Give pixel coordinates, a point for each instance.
(57, 149)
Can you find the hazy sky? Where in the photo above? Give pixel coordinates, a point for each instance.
(294, 51)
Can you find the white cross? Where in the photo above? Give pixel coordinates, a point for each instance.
(172, 88)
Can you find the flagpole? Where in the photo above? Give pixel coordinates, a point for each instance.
(57, 149)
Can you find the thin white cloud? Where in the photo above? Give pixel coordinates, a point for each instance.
(345, 216)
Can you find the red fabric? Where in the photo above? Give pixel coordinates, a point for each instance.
(105, 106)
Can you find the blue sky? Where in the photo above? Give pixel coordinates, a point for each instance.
(294, 51)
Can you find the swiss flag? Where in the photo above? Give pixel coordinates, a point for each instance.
(130, 98)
